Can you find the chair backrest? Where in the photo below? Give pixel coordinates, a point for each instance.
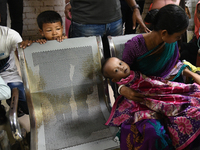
(66, 95)
(116, 45)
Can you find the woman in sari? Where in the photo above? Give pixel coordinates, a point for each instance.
(155, 53)
(179, 103)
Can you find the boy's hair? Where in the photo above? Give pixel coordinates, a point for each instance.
(105, 74)
(48, 16)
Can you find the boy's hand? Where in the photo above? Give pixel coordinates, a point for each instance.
(26, 43)
(41, 41)
(60, 39)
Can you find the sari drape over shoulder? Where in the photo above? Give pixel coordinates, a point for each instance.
(163, 63)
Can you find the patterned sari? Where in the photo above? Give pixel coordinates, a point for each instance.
(173, 105)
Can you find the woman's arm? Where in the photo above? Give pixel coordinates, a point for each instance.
(195, 76)
(131, 94)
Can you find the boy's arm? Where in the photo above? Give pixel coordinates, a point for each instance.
(60, 39)
(26, 43)
(5, 92)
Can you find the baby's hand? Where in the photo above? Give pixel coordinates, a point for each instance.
(60, 39)
(26, 43)
(41, 41)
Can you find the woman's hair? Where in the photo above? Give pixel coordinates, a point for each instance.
(172, 18)
(48, 16)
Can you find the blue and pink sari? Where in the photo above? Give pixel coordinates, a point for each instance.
(169, 118)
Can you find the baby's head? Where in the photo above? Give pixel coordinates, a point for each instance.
(50, 24)
(115, 69)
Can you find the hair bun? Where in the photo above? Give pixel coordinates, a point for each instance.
(150, 17)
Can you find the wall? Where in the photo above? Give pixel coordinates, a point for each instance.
(31, 10)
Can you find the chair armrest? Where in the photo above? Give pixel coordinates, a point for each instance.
(14, 124)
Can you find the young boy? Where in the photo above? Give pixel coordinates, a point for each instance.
(173, 104)
(50, 27)
(8, 70)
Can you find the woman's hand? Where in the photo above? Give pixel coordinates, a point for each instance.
(195, 76)
(131, 94)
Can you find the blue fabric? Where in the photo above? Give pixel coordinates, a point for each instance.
(160, 62)
(20, 87)
(85, 30)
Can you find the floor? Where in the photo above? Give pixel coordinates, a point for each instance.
(23, 121)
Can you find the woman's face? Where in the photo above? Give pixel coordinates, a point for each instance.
(174, 37)
(198, 11)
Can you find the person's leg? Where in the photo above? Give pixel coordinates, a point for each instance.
(16, 15)
(3, 12)
(85, 30)
(3, 117)
(114, 28)
(22, 104)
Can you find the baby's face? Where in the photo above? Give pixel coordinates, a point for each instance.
(51, 31)
(117, 69)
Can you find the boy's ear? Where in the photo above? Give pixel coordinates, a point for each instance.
(115, 80)
(41, 32)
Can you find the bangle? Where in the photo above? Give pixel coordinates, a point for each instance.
(119, 88)
(67, 4)
(135, 6)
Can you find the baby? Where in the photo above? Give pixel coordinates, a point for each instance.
(177, 103)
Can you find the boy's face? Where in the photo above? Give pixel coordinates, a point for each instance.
(52, 31)
(117, 69)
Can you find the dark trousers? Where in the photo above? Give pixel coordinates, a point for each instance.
(3, 12)
(127, 15)
(16, 14)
